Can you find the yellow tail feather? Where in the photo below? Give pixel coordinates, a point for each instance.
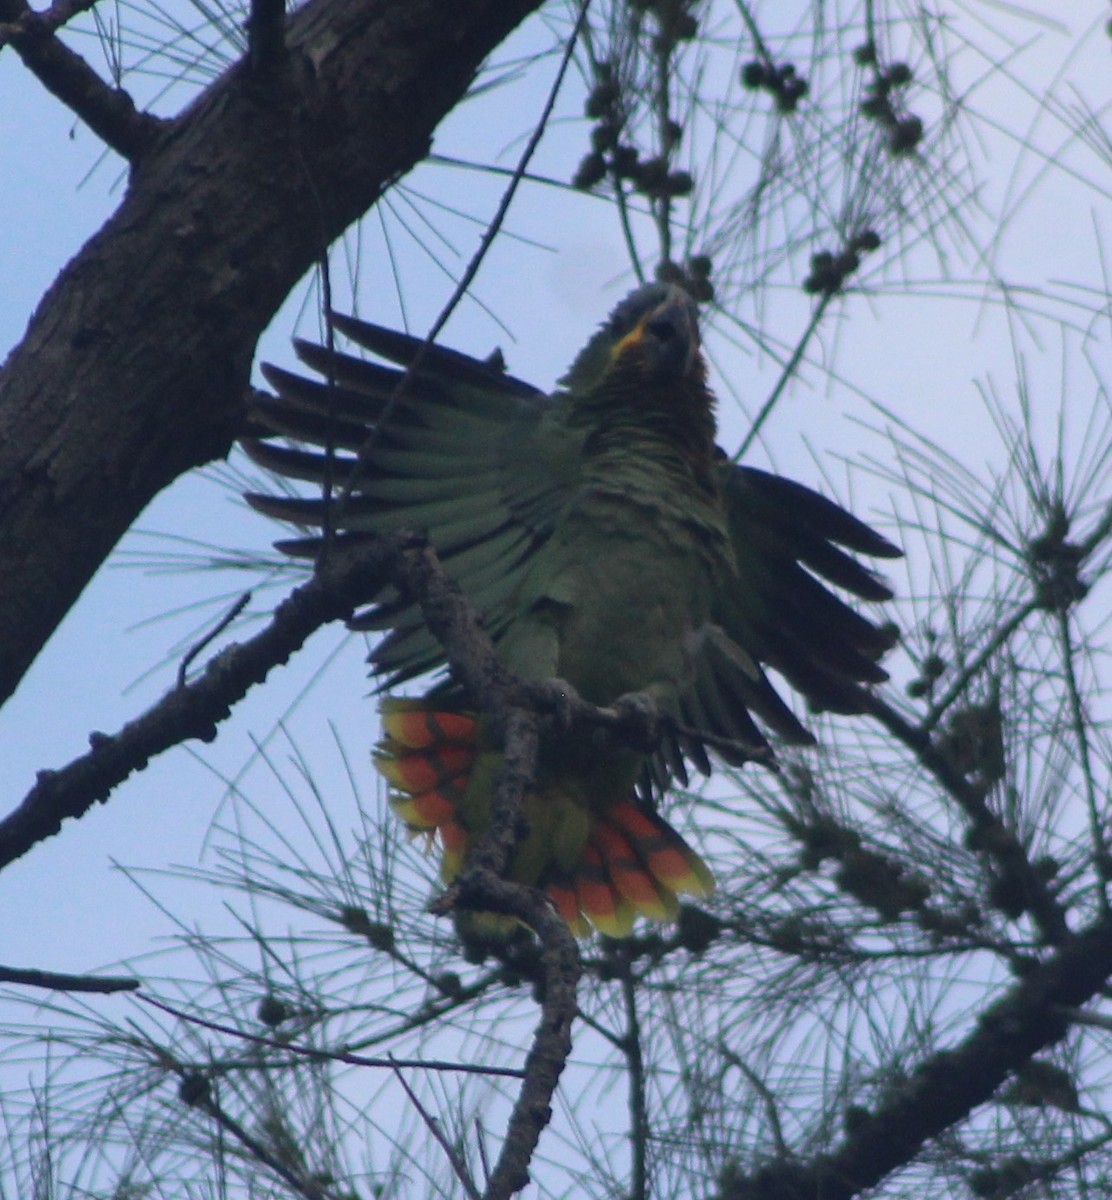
(631, 862)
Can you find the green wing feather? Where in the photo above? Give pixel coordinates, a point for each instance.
(792, 543)
(478, 460)
(792, 547)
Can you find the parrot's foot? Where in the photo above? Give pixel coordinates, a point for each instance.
(559, 698)
(639, 718)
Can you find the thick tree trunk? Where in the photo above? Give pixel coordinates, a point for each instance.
(135, 364)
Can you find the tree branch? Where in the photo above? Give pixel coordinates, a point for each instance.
(109, 112)
(193, 710)
(950, 1084)
(294, 1050)
(56, 981)
(50, 20)
(266, 37)
(560, 972)
(136, 362)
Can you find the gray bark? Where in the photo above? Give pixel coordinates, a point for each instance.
(135, 365)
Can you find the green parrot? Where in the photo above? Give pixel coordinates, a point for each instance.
(608, 543)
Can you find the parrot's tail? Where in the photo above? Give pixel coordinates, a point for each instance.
(632, 863)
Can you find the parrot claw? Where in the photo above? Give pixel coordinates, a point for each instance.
(639, 718)
(560, 699)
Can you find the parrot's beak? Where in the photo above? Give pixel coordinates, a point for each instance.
(666, 339)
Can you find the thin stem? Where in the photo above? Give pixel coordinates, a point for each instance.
(976, 665)
(1079, 724)
(472, 268)
(785, 375)
(663, 204)
(433, 1126)
(308, 1187)
(638, 1104)
(998, 840)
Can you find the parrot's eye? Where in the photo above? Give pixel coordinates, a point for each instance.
(661, 328)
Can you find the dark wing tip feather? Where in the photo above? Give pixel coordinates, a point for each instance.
(794, 548)
(834, 565)
(823, 516)
(345, 370)
(295, 510)
(434, 360)
(305, 465)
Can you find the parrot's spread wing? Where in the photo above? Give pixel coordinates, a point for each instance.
(793, 547)
(791, 543)
(481, 462)
(485, 464)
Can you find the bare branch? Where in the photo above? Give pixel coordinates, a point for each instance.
(266, 37)
(950, 1084)
(50, 20)
(61, 982)
(109, 112)
(195, 709)
(548, 1055)
(285, 1047)
(433, 1126)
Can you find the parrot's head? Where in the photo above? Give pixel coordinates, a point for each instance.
(651, 337)
(643, 376)
(656, 334)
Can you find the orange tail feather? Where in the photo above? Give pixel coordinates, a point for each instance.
(632, 863)
(426, 757)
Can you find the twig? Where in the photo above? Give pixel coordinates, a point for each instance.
(109, 112)
(315, 1054)
(560, 971)
(950, 1084)
(215, 632)
(266, 37)
(638, 1101)
(766, 1094)
(662, 206)
(785, 375)
(493, 229)
(196, 1091)
(50, 20)
(480, 1139)
(61, 982)
(472, 268)
(432, 1012)
(433, 1126)
(194, 711)
(1080, 726)
(973, 668)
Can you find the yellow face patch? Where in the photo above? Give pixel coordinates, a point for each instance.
(631, 342)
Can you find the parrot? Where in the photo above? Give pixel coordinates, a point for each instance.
(608, 543)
